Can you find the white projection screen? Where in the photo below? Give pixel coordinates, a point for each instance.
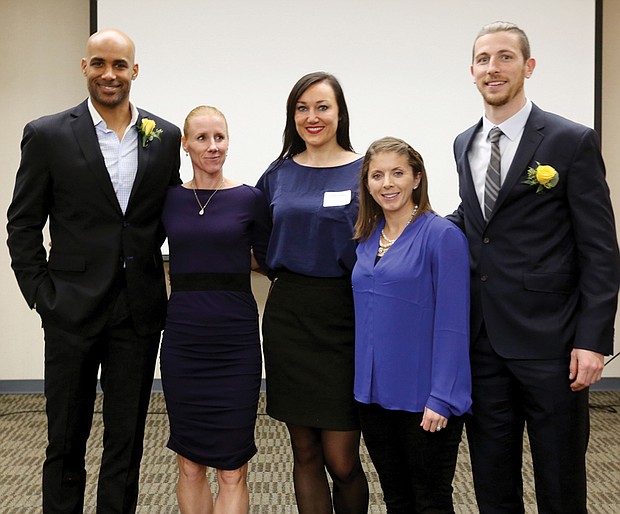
(403, 65)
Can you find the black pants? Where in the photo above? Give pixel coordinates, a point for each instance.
(72, 362)
(509, 394)
(415, 467)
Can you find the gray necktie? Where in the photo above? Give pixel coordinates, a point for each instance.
(492, 182)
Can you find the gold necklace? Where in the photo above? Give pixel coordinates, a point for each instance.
(389, 242)
(203, 207)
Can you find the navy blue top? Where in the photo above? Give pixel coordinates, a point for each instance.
(314, 212)
(235, 221)
(412, 320)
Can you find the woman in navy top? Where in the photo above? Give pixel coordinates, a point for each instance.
(411, 292)
(308, 325)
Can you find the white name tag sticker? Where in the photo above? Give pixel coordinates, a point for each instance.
(336, 198)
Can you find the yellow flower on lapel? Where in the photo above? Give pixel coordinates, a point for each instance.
(148, 131)
(542, 176)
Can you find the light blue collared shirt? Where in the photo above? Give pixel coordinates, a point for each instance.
(121, 157)
(480, 152)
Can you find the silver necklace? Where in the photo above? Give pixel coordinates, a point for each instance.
(203, 207)
(389, 242)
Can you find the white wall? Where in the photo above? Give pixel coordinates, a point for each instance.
(402, 70)
(403, 65)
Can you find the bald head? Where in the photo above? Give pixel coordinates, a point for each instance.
(112, 39)
(109, 69)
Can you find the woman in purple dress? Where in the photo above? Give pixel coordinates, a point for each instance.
(210, 355)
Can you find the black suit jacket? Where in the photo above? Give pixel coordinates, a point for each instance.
(62, 178)
(545, 267)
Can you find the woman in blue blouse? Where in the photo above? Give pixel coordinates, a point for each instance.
(411, 291)
(308, 325)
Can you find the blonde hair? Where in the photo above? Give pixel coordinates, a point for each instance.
(370, 213)
(203, 110)
(505, 26)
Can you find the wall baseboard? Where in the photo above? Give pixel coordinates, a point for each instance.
(36, 386)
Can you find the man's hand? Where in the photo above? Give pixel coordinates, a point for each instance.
(585, 368)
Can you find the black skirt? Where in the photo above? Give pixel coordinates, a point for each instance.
(308, 342)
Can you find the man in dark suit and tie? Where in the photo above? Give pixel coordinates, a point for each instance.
(98, 173)
(545, 272)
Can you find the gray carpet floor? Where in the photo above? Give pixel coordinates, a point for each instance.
(23, 439)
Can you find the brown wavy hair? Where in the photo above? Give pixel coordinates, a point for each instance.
(370, 213)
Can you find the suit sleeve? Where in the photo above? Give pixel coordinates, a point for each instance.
(28, 214)
(595, 235)
(458, 216)
(174, 168)
(175, 178)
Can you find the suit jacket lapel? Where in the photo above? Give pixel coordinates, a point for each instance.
(530, 141)
(86, 137)
(144, 155)
(471, 197)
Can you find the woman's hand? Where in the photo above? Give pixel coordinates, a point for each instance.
(433, 422)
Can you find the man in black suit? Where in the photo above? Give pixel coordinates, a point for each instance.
(101, 295)
(545, 272)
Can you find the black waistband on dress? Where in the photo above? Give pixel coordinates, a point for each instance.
(210, 282)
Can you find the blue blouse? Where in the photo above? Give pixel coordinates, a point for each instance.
(412, 320)
(314, 212)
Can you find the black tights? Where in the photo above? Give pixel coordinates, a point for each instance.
(315, 450)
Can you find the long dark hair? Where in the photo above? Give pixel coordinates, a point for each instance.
(292, 141)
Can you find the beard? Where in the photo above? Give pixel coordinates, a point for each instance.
(499, 100)
(114, 100)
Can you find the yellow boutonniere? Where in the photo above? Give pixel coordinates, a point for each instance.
(148, 132)
(542, 176)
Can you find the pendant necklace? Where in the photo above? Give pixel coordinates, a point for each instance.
(389, 242)
(203, 207)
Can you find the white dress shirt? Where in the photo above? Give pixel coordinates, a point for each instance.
(480, 151)
(121, 157)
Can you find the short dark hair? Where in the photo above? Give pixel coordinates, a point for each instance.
(292, 143)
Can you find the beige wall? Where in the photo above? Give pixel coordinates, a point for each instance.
(611, 126)
(43, 43)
